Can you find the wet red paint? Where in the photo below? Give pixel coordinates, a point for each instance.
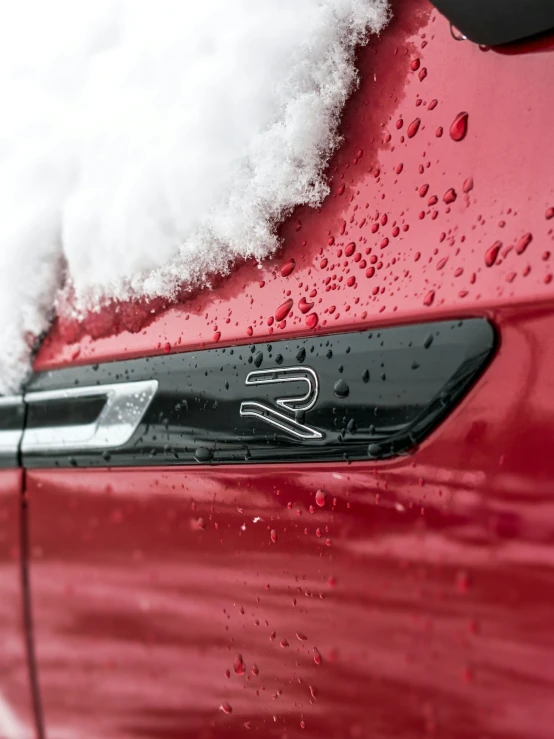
(422, 585)
(16, 713)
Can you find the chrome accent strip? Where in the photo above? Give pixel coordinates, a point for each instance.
(10, 439)
(294, 405)
(126, 404)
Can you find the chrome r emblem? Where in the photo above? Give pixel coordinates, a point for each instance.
(293, 405)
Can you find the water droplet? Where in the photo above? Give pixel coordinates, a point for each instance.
(423, 190)
(468, 185)
(413, 128)
(284, 309)
(449, 196)
(350, 249)
(429, 298)
(300, 636)
(320, 496)
(341, 388)
(273, 535)
(462, 581)
(317, 656)
(340, 191)
(258, 359)
(304, 306)
(226, 708)
(458, 129)
(365, 376)
(255, 670)
(311, 320)
(422, 74)
(284, 643)
(202, 454)
(428, 341)
(238, 665)
(288, 268)
(492, 253)
(549, 213)
(301, 355)
(523, 243)
(415, 65)
(324, 262)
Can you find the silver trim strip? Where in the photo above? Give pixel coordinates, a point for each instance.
(126, 404)
(10, 440)
(297, 404)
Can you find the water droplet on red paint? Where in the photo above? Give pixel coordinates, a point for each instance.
(415, 65)
(399, 168)
(238, 665)
(311, 320)
(226, 708)
(249, 330)
(413, 128)
(442, 262)
(300, 636)
(458, 129)
(523, 243)
(288, 268)
(423, 190)
(492, 253)
(462, 581)
(283, 310)
(227, 673)
(429, 298)
(217, 335)
(273, 535)
(549, 213)
(320, 498)
(468, 185)
(284, 643)
(350, 249)
(304, 306)
(433, 104)
(340, 191)
(370, 271)
(317, 656)
(272, 636)
(422, 74)
(324, 262)
(449, 196)
(399, 123)
(439, 132)
(255, 670)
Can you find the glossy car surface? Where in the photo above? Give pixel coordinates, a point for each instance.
(399, 598)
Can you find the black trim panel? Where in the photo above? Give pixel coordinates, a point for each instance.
(12, 418)
(346, 396)
(496, 22)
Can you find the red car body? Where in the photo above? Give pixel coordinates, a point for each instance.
(223, 600)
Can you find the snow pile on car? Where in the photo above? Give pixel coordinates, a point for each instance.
(145, 145)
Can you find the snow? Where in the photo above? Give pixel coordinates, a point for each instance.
(145, 145)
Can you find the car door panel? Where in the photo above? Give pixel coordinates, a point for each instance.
(178, 594)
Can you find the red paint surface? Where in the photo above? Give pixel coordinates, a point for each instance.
(16, 717)
(425, 592)
(424, 583)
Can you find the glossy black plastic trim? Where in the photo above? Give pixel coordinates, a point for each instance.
(12, 417)
(348, 396)
(496, 22)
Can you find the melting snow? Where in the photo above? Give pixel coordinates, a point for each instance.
(145, 145)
